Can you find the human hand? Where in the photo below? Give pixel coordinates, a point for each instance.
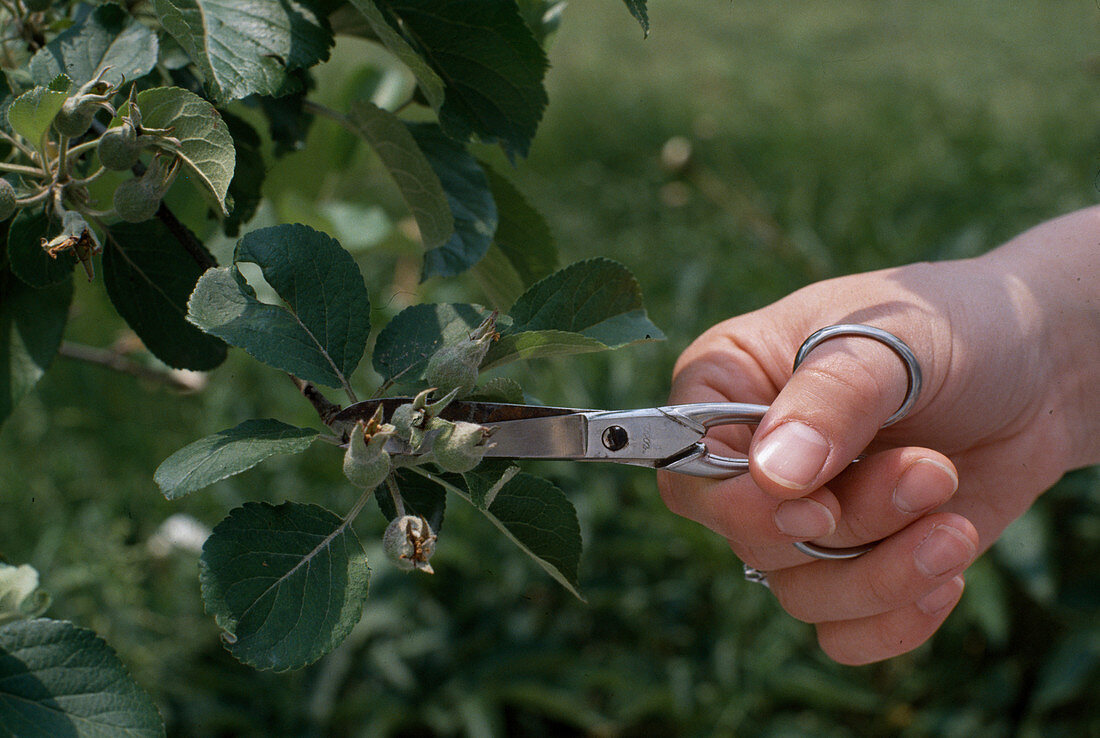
(999, 407)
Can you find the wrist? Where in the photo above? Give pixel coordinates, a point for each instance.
(1058, 263)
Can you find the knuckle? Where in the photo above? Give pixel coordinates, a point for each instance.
(859, 528)
(882, 592)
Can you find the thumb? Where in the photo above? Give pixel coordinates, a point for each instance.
(824, 417)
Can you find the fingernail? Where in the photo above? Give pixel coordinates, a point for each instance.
(804, 518)
(792, 455)
(925, 484)
(942, 597)
(942, 550)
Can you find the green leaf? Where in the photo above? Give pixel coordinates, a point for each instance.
(286, 583)
(416, 180)
(420, 496)
(523, 249)
(20, 597)
(430, 83)
(149, 276)
(533, 514)
(404, 346)
(490, 63)
(637, 9)
(60, 680)
(28, 260)
(228, 452)
(31, 324)
(108, 40)
(540, 344)
(468, 197)
(591, 305)
(487, 479)
(249, 169)
(288, 121)
(241, 47)
(32, 113)
(500, 389)
(322, 331)
(206, 147)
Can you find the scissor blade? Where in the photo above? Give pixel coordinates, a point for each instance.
(518, 431)
(558, 437)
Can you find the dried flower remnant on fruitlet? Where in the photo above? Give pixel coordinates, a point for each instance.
(409, 542)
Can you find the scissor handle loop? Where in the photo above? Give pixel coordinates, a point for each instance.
(899, 347)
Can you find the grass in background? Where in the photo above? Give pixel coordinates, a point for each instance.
(827, 137)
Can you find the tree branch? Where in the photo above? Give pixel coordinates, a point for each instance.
(326, 410)
(121, 363)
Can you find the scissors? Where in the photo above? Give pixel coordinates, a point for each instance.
(669, 438)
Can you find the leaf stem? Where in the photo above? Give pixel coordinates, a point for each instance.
(395, 493)
(90, 178)
(62, 175)
(327, 112)
(357, 507)
(27, 150)
(37, 197)
(79, 149)
(21, 169)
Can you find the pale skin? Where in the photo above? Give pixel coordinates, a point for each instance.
(1009, 345)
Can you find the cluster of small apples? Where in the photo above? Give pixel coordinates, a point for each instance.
(454, 446)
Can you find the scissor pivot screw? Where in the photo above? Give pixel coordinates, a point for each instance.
(615, 438)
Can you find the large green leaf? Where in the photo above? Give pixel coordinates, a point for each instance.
(60, 680)
(404, 346)
(286, 583)
(430, 83)
(321, 332)
(149, 277)
(533, 514)
(28, 259)
(228, 452)
(206, 147)
(468, 196)
(243, 47)
(31, 324)
(417, 181)
(591, 305)
(32, 113)
(523, 249)
(108, 40)
(490, 63)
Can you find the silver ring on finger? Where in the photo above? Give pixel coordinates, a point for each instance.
(756, 576)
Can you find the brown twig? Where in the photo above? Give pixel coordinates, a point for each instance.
(121, 363)
(326, 409)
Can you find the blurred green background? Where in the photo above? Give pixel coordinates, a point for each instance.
(825, 137)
